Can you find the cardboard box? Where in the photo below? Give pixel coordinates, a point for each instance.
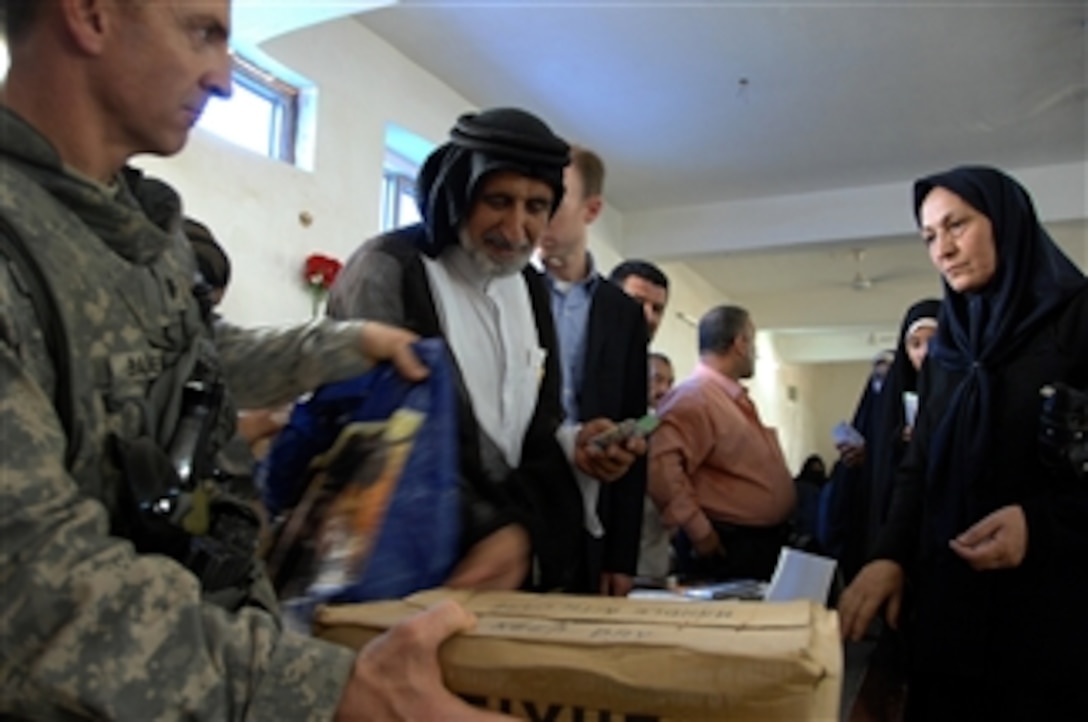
(559, 658)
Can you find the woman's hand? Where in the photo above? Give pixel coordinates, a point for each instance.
(879, 583)
(997, 541)
(851, 455)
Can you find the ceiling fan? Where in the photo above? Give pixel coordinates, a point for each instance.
(863, 281)
(860, 281)
(1068, 95)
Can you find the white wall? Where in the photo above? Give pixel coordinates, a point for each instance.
(831, 397)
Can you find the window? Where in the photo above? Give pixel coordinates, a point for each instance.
(404, 154)
(398, 200)
(261, 114)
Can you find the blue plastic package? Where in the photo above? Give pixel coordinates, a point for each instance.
(365, 477)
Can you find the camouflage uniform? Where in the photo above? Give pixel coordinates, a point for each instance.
(88, 627)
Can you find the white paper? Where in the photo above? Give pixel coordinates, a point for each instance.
(800, 575)
(844, 433)
(910, 407)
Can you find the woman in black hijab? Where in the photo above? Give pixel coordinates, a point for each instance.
(843, 519)
(891, 431)
(992, 537)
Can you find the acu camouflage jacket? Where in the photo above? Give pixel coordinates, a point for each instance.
(88, 627)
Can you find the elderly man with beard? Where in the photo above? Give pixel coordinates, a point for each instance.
(485, 197)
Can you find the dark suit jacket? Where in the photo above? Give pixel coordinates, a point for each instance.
(384, 280)
(615, 386)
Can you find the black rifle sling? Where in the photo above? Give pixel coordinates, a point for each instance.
(52, 324)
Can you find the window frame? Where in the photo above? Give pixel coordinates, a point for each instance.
(284, 99)
(284, 107)
(398, 181)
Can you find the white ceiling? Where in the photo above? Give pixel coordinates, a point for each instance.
(790, 290)
(695, 103)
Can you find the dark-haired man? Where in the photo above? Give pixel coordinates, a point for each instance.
(98, 622)
(485, 198)
(649, 287)
(716, 472)
(647, 284)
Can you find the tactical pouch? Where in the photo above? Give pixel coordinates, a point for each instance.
(155, 503)
(211, 533)
(225, 558)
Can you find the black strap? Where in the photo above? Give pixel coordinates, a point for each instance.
(52, 325)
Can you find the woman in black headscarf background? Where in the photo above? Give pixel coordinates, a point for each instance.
(893, 424)
(842, 528)
(991, 537)
(890, 432)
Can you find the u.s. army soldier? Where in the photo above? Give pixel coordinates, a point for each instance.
(105, 357)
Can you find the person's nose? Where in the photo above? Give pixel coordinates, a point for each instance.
(515, 226)
(217, 81)
(944, 244)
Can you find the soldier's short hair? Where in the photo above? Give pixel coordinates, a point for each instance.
(17, 16)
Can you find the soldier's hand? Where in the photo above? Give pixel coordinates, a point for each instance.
(397, 677)
(611, 462)
(498, 561)
(382, 342)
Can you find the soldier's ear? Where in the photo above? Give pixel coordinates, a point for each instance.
(87, 22)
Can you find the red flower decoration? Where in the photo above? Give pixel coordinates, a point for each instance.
(319, 272)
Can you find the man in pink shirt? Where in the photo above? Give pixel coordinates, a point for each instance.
(717, 473)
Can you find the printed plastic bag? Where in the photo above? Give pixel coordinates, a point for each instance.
(368, 469)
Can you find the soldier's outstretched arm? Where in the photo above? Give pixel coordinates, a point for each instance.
(271, 366)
